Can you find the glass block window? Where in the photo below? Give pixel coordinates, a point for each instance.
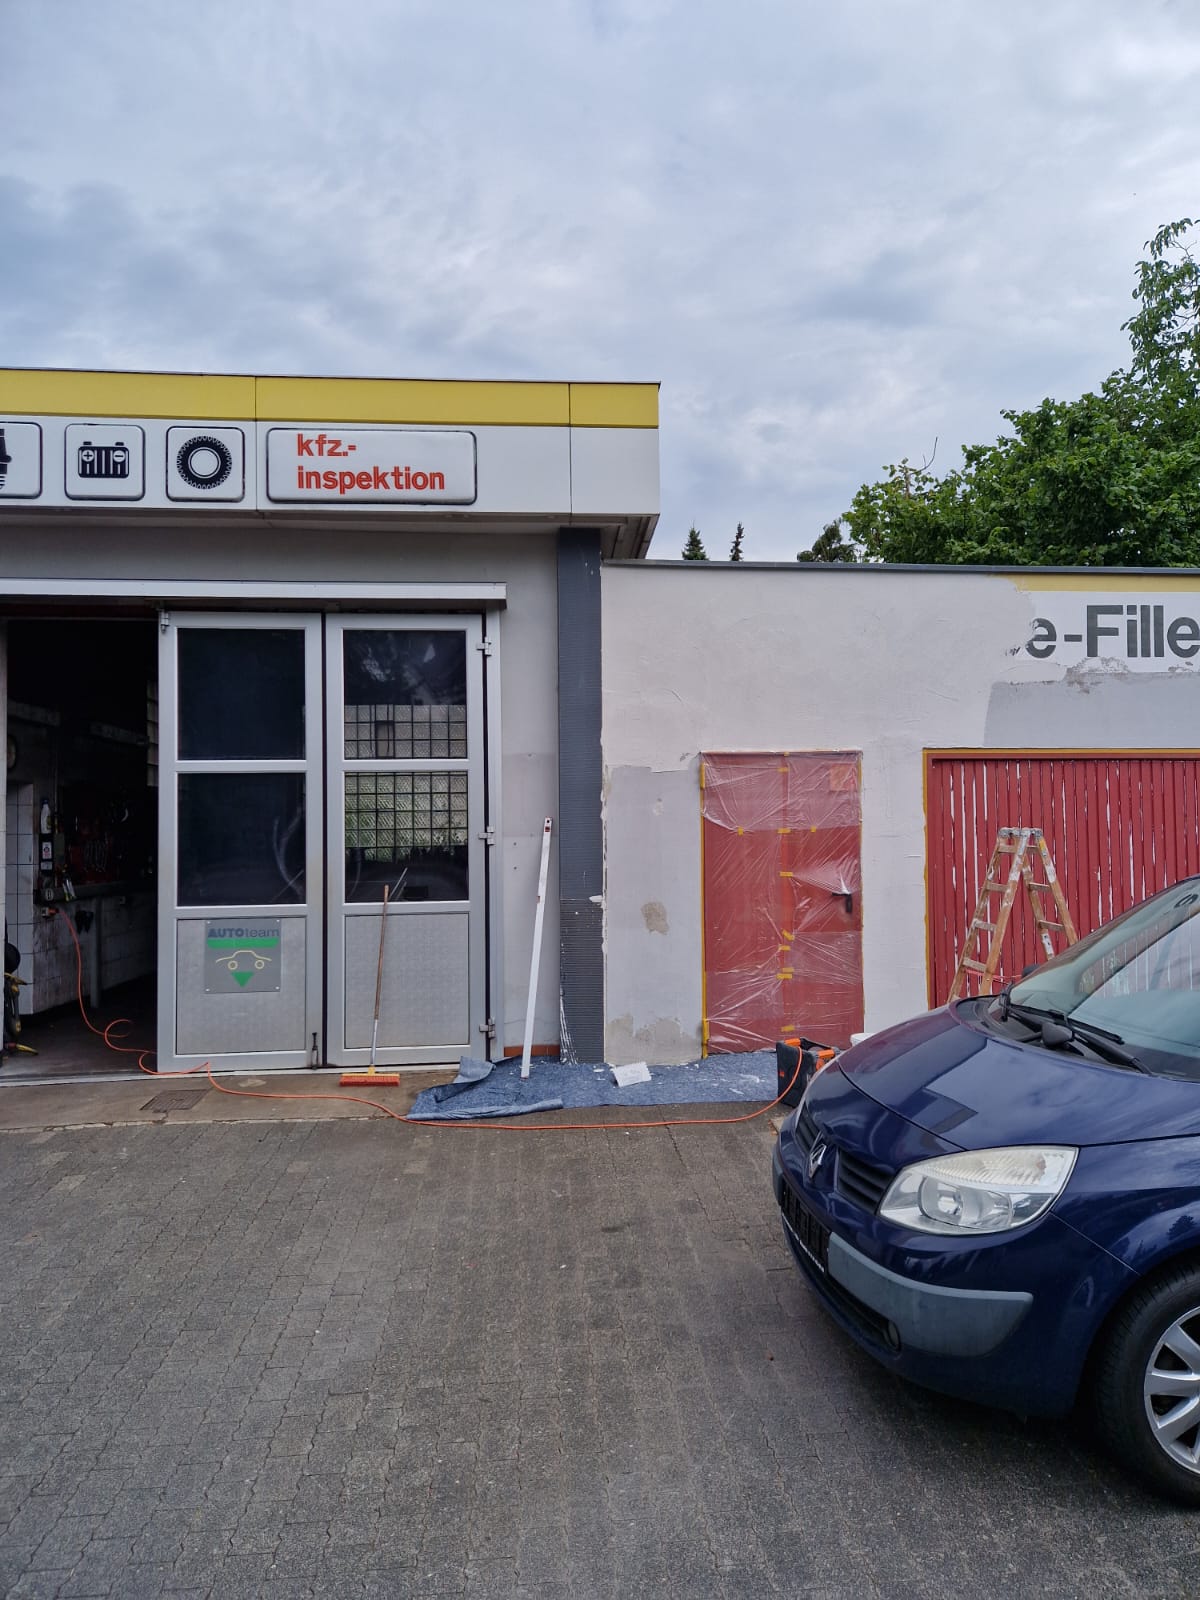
(405, 733)
(408, 830)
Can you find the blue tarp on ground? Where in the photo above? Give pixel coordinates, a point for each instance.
(747, 1078)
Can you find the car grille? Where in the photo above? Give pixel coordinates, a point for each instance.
(872, 1324)
(858, 1180)
(861, 1182)
(806, 1130)
(812, 1236)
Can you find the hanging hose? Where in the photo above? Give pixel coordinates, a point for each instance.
(205, 1067)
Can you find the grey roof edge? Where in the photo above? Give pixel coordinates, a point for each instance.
(903, 566)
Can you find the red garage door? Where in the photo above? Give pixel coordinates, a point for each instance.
(782, 900)
(1119, 827)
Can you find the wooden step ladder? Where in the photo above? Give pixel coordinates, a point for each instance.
(1022, 844)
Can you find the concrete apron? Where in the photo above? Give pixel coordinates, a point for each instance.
(150, 1098)
(296, 1097)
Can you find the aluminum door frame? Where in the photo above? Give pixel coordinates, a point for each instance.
(476, 904)
(171, 767)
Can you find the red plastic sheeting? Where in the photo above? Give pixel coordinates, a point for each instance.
(782, 899)
(1119, 828)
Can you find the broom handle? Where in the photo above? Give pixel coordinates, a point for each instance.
(379, 972)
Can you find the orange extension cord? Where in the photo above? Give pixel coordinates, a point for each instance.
(359, 1100)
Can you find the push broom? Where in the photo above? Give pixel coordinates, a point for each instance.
(370, 1078)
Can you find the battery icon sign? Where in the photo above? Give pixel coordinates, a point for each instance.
(103, 460)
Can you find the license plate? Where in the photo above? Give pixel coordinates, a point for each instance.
(810, 1235)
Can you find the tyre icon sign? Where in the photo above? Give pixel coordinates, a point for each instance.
(204, 462)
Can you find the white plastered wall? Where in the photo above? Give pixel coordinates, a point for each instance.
(705, 657)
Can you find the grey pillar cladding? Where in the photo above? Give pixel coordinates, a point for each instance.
(580, 838)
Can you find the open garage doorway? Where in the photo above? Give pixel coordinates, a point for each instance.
(81, 821)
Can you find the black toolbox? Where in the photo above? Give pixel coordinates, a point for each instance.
(793, 1053)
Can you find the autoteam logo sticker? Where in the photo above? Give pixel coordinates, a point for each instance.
(242, 956)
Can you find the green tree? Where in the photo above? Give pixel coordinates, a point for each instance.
(694, 549)
(735, 550)
(830, 545)
(1165, 329)
(1109, 479)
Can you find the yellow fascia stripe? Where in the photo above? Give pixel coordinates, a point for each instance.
(529, 405)
(1103, 583)
(125, 394)
(428, 402)
(614, 405)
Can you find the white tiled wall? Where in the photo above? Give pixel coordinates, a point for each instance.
(48, 960)
(129, 946)
(55, 970)
(21, 870)
(127, 931)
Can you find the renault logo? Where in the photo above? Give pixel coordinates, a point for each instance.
(815, 1157)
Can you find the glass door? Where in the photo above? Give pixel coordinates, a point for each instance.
(406, 808)
(241, 844)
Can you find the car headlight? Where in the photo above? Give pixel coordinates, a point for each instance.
(979, 1191)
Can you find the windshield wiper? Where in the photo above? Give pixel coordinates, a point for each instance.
(1058, 1029)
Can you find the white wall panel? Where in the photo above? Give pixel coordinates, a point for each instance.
(614, 471)
(714, 657)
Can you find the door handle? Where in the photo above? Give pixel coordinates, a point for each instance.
(847, 895)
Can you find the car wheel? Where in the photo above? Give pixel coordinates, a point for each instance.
(1147, 1390)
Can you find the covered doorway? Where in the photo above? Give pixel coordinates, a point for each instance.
(308, 764)
(782, 836)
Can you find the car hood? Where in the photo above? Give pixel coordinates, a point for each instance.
(976, 1090)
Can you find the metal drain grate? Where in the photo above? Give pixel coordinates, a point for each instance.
(175, 1100)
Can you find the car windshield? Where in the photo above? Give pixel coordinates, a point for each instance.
(1138, 977)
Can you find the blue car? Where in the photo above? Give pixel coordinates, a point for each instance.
(1001, 1200)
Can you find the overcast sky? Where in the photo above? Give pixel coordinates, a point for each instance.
(834, 233)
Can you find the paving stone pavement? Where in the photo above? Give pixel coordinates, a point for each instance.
(361, 1359)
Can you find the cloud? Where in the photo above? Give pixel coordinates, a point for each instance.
(834, 234)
